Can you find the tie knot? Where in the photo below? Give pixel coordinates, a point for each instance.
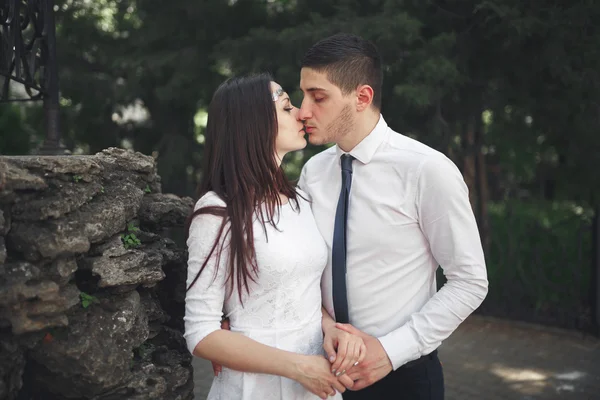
(347, 162)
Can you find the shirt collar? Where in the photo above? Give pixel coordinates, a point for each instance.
(365, 150)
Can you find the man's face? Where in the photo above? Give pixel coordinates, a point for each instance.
(328, 114)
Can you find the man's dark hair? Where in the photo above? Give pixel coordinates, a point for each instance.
(349, 61)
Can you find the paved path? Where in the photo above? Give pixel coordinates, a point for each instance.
(493, 359)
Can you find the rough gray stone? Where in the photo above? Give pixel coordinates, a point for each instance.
(48, 239)
(126, 160)
(32, 184)
(95, 355)
(156, 315)
(118, 266)
(4, 224)
(113, 247)
(73, 234)
(171, 380)
(147, 237)
(61, 271)
(69, 196)
(166, 364)
(136, 267)
(2, 250)
(51, 166)
(12, 364)
(23, 323)
(13, 177)
(13, 280)
(165, 210)
(62, 219)
(32, 304)
(100, 220)
(172, 254)
(126, 166)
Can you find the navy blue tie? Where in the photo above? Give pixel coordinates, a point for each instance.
(338, 248)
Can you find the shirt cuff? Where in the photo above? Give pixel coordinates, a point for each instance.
(401, 346)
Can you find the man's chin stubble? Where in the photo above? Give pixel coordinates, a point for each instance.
(319, 141)
(314, 142)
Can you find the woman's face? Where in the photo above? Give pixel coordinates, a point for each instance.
(290, 131)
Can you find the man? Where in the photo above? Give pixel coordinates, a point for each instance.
(391, 210)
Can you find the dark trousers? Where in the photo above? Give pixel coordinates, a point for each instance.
(422, 380)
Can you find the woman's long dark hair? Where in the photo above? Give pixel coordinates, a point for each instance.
(240, 166)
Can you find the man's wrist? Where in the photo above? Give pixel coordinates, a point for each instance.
(327, 322)
(327, 326)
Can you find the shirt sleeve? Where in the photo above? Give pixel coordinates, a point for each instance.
(204, 300)
(447, 221)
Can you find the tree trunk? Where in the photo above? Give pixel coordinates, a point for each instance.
(595, 275)
(175, 147)
(482, 188)
(475, 174)
(469, 161)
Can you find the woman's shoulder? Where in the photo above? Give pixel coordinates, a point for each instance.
(210, 199)
(207, 223)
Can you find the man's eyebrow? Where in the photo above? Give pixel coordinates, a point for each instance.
(315, 89)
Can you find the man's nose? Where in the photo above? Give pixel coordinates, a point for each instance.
(304, 112)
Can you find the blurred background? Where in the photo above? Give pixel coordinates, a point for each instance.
(509, 90)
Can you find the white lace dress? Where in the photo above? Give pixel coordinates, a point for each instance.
(283, 309)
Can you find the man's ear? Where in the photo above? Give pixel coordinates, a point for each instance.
(364, 97)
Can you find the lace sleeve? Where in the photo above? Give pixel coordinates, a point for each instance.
(204, 300)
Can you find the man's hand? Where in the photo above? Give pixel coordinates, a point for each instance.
(217, 368)
(374, 367)
(343, 349)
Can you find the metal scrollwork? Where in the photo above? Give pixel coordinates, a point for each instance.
(24, 48)
(28, 57)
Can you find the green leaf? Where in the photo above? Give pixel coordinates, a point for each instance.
(132, 228)
(87, 299)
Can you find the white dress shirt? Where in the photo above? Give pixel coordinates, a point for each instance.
(409, 213)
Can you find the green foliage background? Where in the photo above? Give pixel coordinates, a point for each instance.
(513, 84)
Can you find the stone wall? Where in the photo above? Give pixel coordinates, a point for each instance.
(91, 287)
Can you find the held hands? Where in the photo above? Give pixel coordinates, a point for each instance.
(350, 368)
(375, 365)
(313, 372)
(350, 348)
(324, 378)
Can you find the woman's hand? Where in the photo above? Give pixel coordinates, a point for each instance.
(314, 373)
(343, 349)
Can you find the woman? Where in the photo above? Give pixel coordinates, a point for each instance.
(255, 254)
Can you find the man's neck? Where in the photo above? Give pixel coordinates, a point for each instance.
(363, 127)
